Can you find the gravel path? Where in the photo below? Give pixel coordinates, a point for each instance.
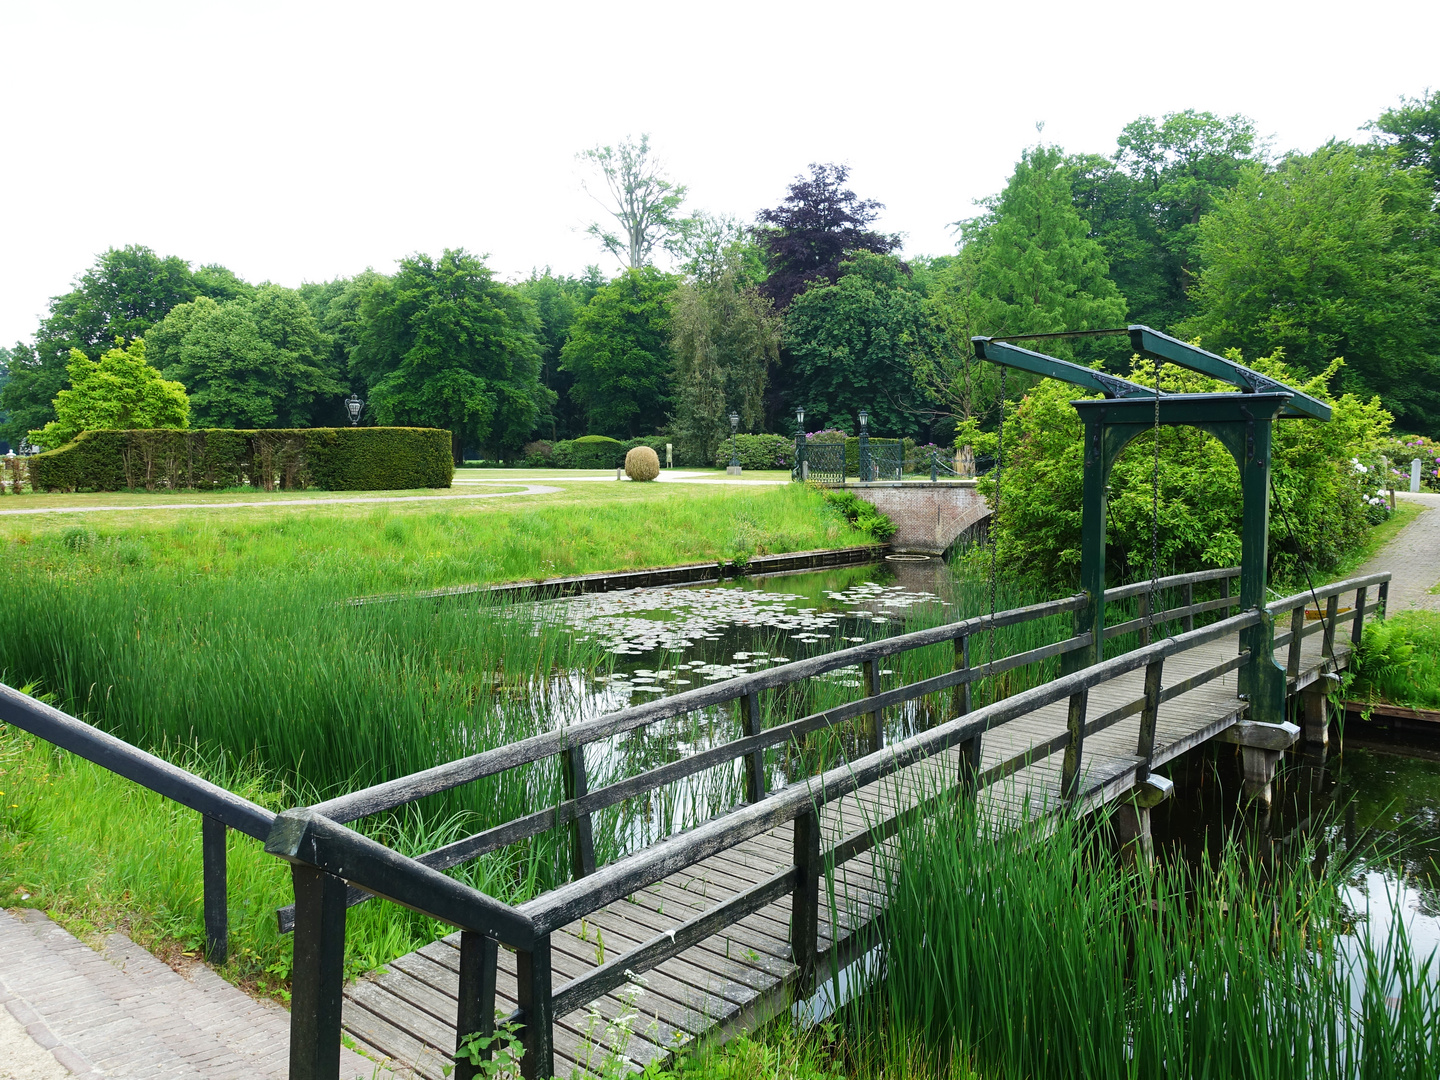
(21, 1057)
(1413, 558)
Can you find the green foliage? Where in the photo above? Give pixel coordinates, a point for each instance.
(856, 344)
(642, 200)
(255, 361)
(1398, 661)
(125, 293)
(1413, 129)
(1335, 253)
(558, 302)
(1405, 449)
(724, 337)
(757, 452)
(119, 390)
(445, 345)
(1317, 484)
(330, 459)
(619, 354)
(1035, 953)
(1039, 270)
(861, 514)
(589, 452)
(1143, 204)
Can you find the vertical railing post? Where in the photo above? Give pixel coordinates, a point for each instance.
(479, 956)
(1332, 608)
(1297, 626)
(871, 670)
(318, 974)
(1382, 597)
(805, 901)
(1145, 614)
(1188, 622)
(1145, 747)
(1075, 725)
(1357, 627)
(533, 989)
(755, 760)
(213, 873)
(960, 705)
(577, 786)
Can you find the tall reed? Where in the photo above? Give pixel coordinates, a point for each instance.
(1037, 954)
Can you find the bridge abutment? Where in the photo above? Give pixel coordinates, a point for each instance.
(929, 516)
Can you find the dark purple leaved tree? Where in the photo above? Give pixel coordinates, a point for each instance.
(813, 229)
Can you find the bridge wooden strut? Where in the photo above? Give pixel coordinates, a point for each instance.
(730, 921)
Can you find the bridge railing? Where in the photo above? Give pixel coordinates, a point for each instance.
(333, 866)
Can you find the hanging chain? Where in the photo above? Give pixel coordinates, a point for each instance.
(995, 512)
(1155, 510)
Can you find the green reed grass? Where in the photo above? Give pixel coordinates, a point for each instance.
(1038, 954)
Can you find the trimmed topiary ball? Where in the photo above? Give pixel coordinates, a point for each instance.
(642, 463)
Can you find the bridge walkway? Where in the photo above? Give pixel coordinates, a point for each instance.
(744, 973)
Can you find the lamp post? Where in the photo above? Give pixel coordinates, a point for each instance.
(802, 467)
(353, 405)
(864, 447)
(734, 469)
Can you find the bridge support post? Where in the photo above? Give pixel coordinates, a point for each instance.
(754, 762)
(1261, 748)
(1316, 717)
(479, 956)
(1132, 820)
(318, 981)
(582, 838)
(533, 979)
(961, 702)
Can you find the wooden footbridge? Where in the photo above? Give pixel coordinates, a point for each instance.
(731, 920)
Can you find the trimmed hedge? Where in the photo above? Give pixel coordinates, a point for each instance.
(758, 452)
(595, 452)
(329, 459)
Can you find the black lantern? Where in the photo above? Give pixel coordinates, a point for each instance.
(353, 405)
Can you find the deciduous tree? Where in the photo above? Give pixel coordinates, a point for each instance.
(619, 356)
(446, 345)
(816, 226)
(120, 390)
(1334, 253)
(249, 363)
(643, 201)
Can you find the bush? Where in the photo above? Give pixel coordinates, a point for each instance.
(863, 515)
(538, 454)
(602, 452)
(1324, 480)
(759, 452)
(330, 459)
(642, 463)
(1405, 449)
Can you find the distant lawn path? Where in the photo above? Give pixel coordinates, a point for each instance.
(1413, 558)
(524, 489)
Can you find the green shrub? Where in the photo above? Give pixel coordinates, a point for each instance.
(601, 451)
(863, 515)
(331, 459)
(759, 452)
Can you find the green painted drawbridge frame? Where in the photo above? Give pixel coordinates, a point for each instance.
(1242, 421)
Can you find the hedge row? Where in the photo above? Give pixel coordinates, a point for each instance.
(758, 452)
(595, 452)
(330, 459)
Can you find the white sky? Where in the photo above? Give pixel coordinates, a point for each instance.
(301, 141)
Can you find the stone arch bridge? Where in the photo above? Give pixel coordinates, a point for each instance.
(929, 515)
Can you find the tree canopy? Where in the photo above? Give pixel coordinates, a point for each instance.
(251, 362)
(643, 201)
(816, 226)
(446, 345)
(855, 346)
(118, 391)
(619, 356)
(1335, 253)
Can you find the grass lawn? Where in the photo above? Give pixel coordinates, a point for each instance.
(586, 526)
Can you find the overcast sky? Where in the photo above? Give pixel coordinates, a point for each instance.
(300, 141)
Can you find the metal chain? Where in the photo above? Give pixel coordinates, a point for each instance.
(1155, 510)
(995, 511)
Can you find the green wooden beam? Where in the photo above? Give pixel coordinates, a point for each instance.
(1002, 352)
(1158, 346)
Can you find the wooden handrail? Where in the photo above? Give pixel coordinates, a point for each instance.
(576, 898)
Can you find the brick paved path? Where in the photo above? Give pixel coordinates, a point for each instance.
(122, 1013)
(1413, 558)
